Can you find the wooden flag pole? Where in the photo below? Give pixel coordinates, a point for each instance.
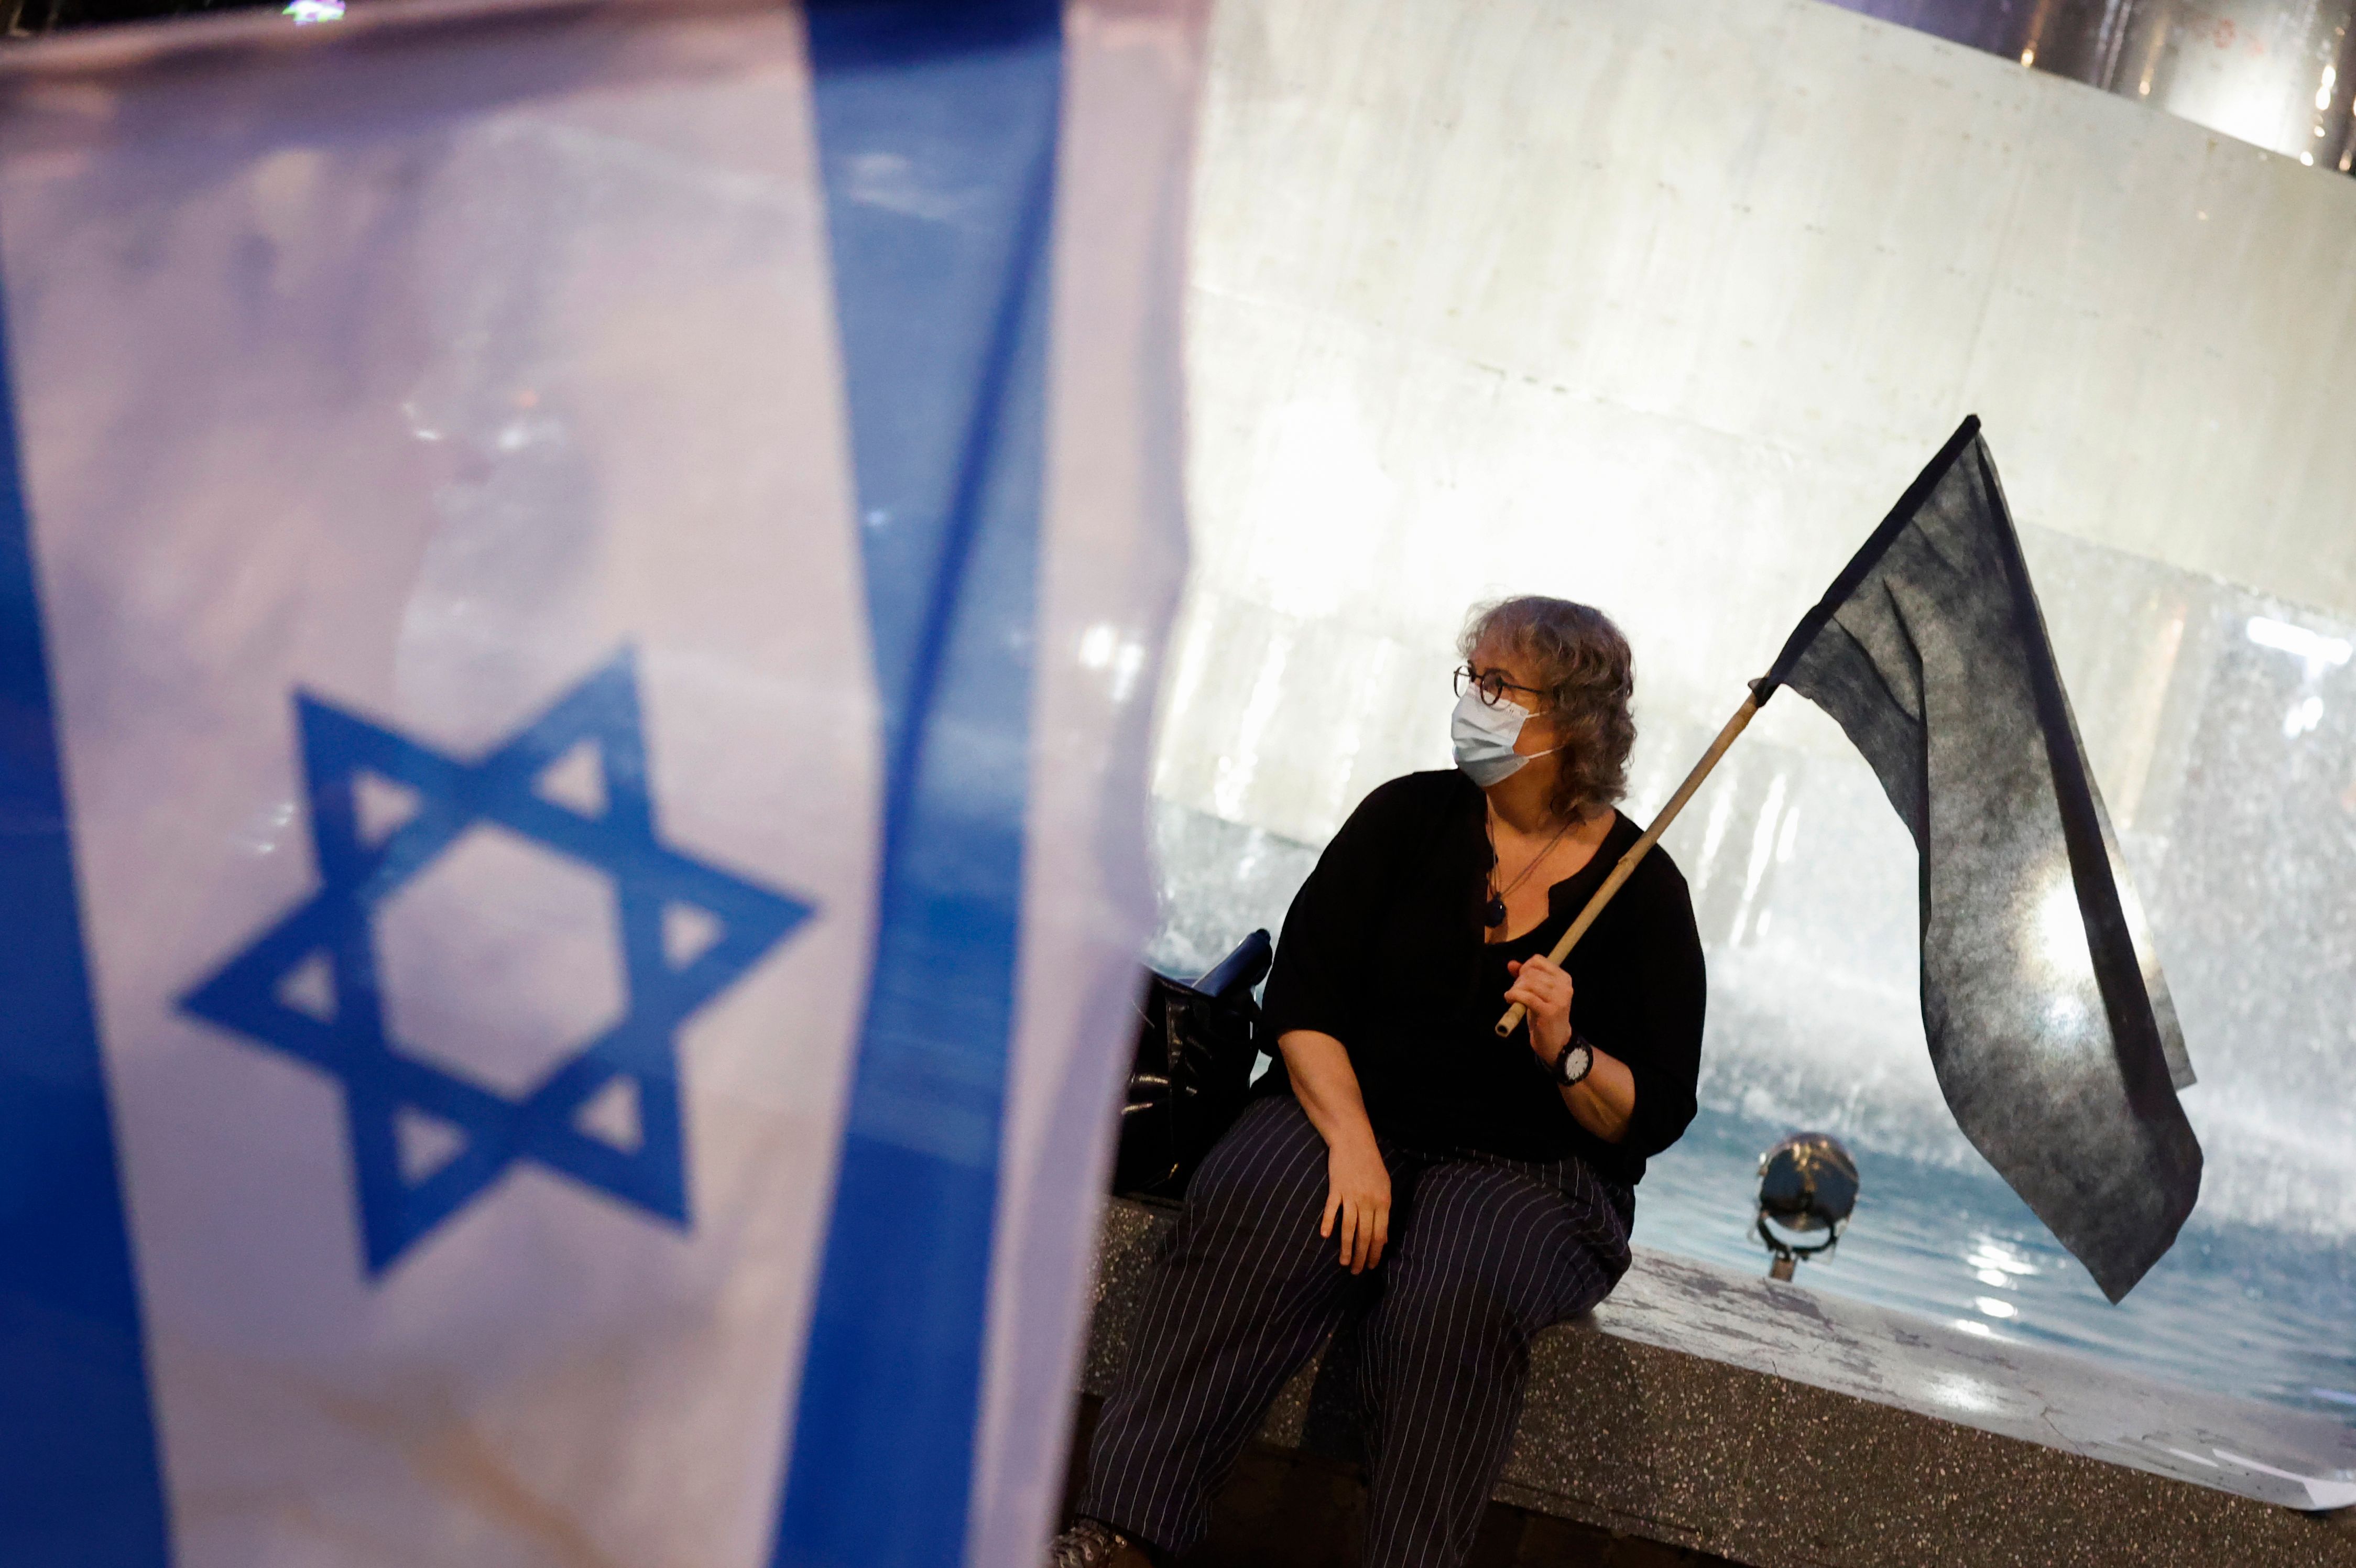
(1636, 852)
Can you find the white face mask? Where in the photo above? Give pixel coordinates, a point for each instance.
(1484, 738)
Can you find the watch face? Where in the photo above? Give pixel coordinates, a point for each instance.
(1574, 1060)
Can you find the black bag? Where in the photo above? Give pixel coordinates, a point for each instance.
(1192, 1073)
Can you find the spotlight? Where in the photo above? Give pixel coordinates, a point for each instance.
(1807, 1184)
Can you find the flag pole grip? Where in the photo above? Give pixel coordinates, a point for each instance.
(1637, 851)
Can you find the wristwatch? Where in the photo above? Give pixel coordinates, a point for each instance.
(1578, 1059)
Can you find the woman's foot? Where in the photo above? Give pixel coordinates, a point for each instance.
(1089, 1544)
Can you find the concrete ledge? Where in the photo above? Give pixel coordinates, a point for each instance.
(1774, 1425)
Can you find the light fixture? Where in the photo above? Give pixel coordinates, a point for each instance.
(1807, 1187)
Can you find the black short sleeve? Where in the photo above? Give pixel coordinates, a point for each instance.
(1660, 1011)
(1315, 982)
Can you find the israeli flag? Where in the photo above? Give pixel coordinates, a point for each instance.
(579, 591)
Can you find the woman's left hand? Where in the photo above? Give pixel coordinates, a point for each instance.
(1541, 986)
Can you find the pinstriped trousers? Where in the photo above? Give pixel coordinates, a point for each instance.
(1483, 1253)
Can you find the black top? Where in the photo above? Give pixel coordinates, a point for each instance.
(1383, 950)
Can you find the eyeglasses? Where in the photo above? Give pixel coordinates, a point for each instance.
(1491, 683)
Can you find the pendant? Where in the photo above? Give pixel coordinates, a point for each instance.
(1495, 912)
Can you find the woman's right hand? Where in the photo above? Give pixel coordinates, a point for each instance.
(1357, 1201)
(1357, 1183)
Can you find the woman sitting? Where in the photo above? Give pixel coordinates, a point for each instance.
(1403, 1165)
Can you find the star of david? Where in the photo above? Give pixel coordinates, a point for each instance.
(335, 931)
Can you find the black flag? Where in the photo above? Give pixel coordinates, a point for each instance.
(2050, 1028)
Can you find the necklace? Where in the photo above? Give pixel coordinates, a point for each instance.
(1495, 911)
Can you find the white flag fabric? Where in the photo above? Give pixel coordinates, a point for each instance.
(580, 587)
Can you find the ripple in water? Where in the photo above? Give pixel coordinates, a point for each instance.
(2257, 1313)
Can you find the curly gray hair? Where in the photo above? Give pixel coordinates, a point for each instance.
(1585, 666)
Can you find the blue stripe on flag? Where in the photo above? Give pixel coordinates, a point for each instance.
(80, 1482)
(936, 126)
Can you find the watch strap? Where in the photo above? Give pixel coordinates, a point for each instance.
(1578, 1042)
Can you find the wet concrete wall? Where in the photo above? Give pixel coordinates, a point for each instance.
(1659, 304)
